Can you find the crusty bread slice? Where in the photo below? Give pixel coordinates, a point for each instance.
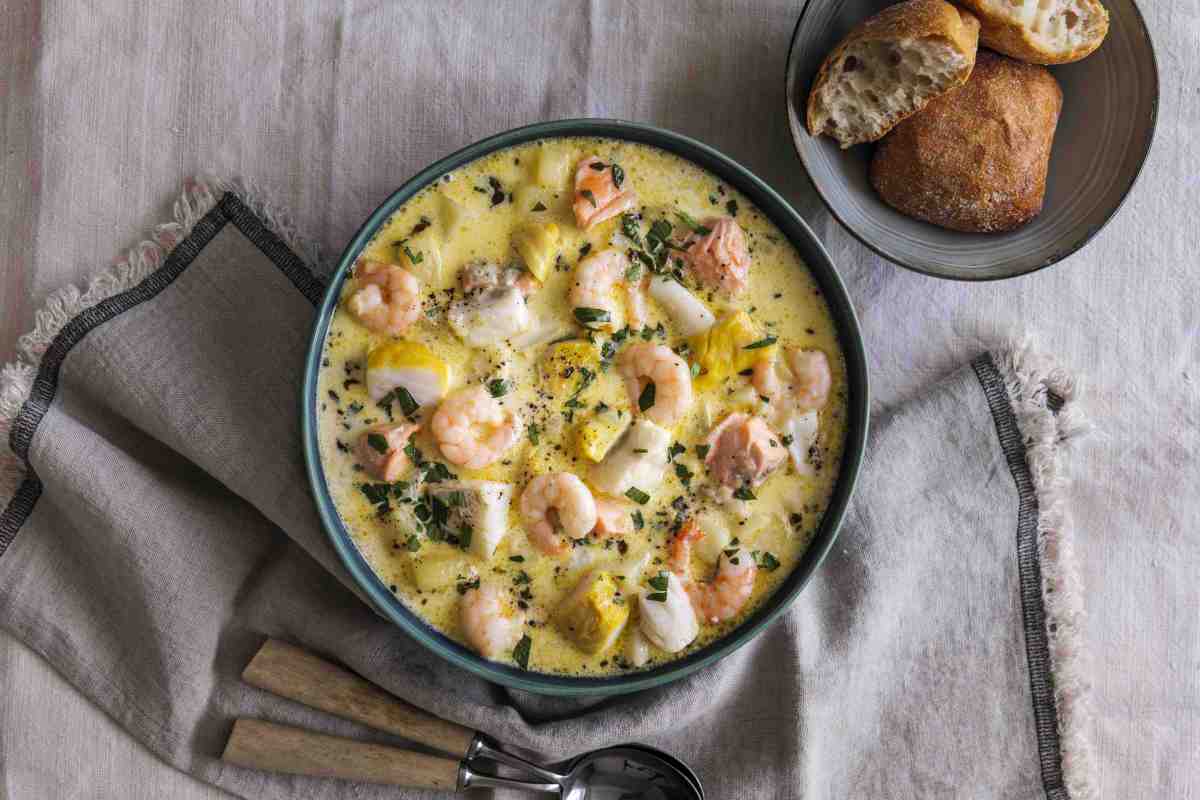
(889, 67)
(976, 159)
(1041, 31)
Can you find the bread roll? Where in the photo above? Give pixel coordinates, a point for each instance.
(1041, 31)
(976, 158)
(889, 67)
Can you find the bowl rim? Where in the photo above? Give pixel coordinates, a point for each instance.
(845, 319)
(790, 79)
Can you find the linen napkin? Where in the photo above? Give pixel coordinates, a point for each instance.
(157, 527)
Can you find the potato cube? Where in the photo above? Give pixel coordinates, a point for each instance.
(553, 167)
(433, 571)
(594, 614)
(567, 365)
(598, 433)
(537, 244)
(721, 350)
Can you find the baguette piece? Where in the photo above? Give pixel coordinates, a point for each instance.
(976, 158)
(1041, 31)
(889, 67)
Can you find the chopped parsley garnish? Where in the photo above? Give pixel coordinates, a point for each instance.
(646, 398)
(436, 472)
(639, 521)
(498, 195)
(731, 207)
(787, 440)
(497, 387)
(764, 342)
(412, 544)
(633, 273)
(684, 474)
(587, 194)
(690, 222)
(415, 257)
(376, 493)
(378, 442)
(695, 369)
(465, 586)
(590, 316)
(522, 577)
(675, 449)
(584, 249)
(464, 537)
(637, 495)
(599, 166)
(702, 451)
(766, 560)
(532, 431)
(658, 597)
(408, 405)
(744, 493)
(539, 207)
(618, 175)
(521, 651)
(517, 559)
(640, 450)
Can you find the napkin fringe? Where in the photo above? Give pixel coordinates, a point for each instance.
(198, 197)
(1050, 420)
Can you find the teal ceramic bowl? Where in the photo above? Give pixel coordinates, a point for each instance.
(818, 261)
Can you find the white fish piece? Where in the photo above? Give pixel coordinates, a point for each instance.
(626, 466)
(480, 505)
(803, 429)
(540, 332)
(688, 311)
(637, 649)
(489, 316)
(671, 623)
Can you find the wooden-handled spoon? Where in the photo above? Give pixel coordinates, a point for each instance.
(289, 671)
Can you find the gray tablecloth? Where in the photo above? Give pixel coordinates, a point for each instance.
(104, 109)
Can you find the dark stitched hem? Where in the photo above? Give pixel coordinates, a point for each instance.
(228, 209)
(1029, 566)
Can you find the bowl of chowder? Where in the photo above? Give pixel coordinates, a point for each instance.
(584, 406)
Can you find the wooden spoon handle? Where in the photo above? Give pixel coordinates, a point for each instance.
(288, 671)
(279, 748)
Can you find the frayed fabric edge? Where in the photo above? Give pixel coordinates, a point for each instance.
(1044, 402)
(198, 197)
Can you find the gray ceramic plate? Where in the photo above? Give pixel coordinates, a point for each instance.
(818, 261)
(1110, 105)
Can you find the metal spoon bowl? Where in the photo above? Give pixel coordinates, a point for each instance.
(626, 770)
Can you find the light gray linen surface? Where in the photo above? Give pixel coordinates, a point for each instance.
(173, 532)
(332, 105)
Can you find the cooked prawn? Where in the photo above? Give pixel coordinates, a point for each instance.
(743, 451)
(488, 622)
(597, 195)
(796, 379)
(388, 298)
(723, 597)
(635, 300)
(380, 450)
(595, 278)
(644, 363)
(719, 258)
(473, 429)
(558, 500)
(613, 518)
